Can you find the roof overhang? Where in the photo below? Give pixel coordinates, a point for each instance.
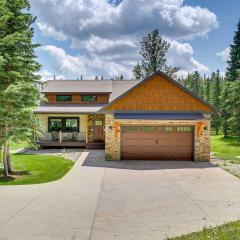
(160, 116)
(67, 109)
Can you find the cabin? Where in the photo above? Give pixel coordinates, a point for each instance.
(153, 119)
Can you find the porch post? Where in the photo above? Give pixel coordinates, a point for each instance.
(60, 136)
(87, 131)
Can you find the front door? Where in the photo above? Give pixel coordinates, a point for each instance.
(98, 130)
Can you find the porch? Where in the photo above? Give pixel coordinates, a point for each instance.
(86, 131)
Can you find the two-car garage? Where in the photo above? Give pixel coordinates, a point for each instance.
(149, 142)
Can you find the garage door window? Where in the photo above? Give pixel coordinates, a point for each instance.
(149, 129)
(184, 129)
(168, 129)
(130, 129)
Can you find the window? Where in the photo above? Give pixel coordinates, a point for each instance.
(98, 122)
(55, 124)
(64, 124)
(89, 98)
(71, 125)
(149, 129)
(63, 98)
(184, 129)
(168, 129)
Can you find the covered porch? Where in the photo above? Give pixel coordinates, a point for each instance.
(68, 130)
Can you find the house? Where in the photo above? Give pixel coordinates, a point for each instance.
(153, 119)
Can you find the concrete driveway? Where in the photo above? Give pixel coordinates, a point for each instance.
(100, 200)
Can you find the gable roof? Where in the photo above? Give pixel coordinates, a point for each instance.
(158, 73)
(75, 86)
(113, 87)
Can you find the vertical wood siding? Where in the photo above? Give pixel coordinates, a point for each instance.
(158, 94)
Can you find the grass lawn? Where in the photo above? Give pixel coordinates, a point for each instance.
(226, 148)
(229, 231)
(15, 146)
(33, 169)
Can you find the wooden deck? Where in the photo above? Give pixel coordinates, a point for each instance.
(62, 144)
(83, 144)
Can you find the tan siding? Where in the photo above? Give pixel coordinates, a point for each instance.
(158, 94)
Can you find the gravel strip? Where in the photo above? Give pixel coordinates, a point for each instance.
(70, 153)
(233, 168)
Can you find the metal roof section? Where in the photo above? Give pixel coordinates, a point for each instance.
(114, 87)
(77, 86)
(68, 108)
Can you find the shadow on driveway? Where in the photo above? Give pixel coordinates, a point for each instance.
(96, 158)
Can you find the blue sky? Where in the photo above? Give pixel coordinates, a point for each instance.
(100, 37)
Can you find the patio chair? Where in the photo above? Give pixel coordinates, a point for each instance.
(55, 136)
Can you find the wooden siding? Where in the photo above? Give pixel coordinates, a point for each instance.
(76, 98)
(158, 94)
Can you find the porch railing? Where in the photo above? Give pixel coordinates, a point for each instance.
(64, 136)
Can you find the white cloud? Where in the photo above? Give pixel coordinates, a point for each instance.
(181, 54)
(73, 66)
(46, 75)
(107, 35)
(98, 17)
(64, 63)
(49, 31)
(224, 54)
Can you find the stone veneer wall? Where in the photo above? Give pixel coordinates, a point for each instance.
(201, 135)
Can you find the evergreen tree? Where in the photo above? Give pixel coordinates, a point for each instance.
(225, 108)
(196, 83)
(207, 89)
(235, 107)
(216, 100)
(137, 71)
(18, 68)
(153, 51)
(234, 60)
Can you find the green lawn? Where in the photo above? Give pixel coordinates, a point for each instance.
(15, 146)
(226, 148)
(229, 231)
(33, 169)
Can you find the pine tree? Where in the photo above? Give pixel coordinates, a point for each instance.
(216, 100)
(18, 73)
(235, 107)
(225, 108)
(207, 89)
(153, 51)
(137, 71)
(234, 60)
(196, 83)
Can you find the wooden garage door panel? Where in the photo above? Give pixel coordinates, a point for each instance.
(155, 144)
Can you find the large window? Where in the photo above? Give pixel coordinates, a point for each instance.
(89, 98)
(64, 98)
(64, 124)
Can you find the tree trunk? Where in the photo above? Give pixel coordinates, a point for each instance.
(9, 160)
(5, 163)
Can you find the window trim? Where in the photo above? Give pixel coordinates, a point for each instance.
(63, 96)
(63, 123)
(85, 95)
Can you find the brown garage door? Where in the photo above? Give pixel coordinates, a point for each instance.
(157, 143)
